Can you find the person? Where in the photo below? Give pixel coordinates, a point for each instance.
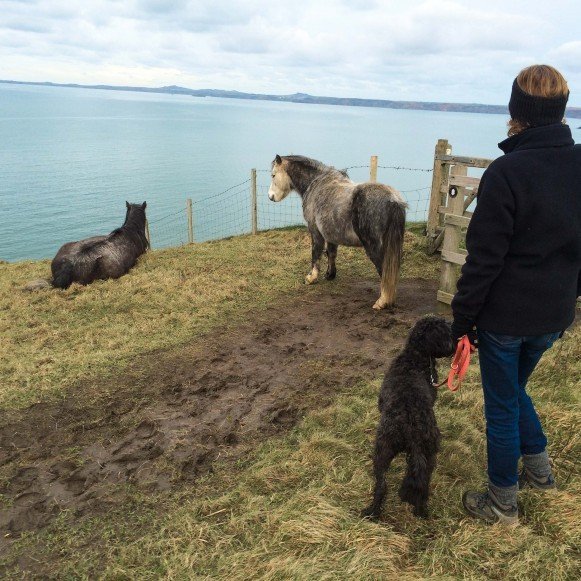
(518, 288)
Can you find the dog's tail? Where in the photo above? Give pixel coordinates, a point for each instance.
(62, 274)
(415, 485)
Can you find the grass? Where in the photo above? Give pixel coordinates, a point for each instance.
(290, 509)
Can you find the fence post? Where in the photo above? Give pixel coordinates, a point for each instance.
(253, 202)
(190, 214)
(438, 176)
(373, 169)
(147, 233)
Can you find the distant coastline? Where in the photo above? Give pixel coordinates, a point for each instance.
(572, 112)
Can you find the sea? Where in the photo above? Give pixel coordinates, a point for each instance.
(71, 157)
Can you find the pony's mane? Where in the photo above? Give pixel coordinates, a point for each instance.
(128, 229)
(135, 234)
(314, 164)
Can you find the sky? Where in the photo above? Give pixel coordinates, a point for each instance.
(426, 50)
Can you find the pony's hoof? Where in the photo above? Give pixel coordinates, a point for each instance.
(383, 303)
(310, 279)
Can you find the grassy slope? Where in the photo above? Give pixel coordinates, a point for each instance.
(54, 338)
(290, 510)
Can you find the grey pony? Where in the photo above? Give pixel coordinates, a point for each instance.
(339, 211)
(99, 257)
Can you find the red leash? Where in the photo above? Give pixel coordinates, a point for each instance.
(459, 365)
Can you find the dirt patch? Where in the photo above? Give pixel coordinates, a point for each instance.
(172, 414)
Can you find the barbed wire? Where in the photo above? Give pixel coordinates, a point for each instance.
(164, 217)
(396, 167)
(400, 167)
(416, 190)
(221, 193)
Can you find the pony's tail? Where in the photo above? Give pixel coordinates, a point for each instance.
(392, 250)
(62, 276)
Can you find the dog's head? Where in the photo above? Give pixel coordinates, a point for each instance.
(432, 335)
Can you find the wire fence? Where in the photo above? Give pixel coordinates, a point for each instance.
(234, 211)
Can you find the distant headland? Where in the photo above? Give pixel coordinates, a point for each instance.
(572, 112)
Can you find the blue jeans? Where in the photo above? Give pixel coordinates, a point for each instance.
(512, 424)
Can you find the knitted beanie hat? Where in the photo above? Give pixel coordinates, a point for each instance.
(536, 111)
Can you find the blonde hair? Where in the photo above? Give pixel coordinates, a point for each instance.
(539, 81)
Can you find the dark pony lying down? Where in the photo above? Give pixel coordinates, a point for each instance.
(102, 257)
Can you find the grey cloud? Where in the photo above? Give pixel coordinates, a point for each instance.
(27, 25)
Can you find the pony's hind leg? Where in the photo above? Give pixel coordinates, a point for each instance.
(375, 252)
(331, 257)
(318, 245)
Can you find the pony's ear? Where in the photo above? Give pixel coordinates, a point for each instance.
(144, 205)
(127, 204)
(278, 159)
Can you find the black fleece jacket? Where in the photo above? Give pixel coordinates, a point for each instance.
(523, 270)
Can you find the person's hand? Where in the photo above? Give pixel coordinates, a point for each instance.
(461, 327)
(473, 337)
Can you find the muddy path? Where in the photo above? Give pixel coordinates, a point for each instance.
(170, 415)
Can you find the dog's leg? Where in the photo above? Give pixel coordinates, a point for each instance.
(431, 464)
(415, 488)
(331, 256)
(382, 458)
(318, 245)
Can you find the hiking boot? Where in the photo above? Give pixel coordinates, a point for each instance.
(482, 505)
(527, 478)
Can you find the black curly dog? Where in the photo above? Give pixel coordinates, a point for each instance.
(407, 423)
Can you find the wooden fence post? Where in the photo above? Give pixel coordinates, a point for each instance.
(253, 201)
(451, 254)
(147, 233)
(190, 214)
(373, 169)
(438, 176)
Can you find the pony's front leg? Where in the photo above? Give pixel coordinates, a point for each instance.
(318, 245)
